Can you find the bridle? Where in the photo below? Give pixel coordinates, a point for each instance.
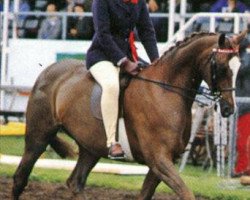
(214, 87)
(213, 94)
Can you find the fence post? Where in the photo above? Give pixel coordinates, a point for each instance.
(212, 24)
(4, 46)
(183, 12)
(232, 142)
(223, 143)
(217, 138)
(15, 18)
(64, 27)
(236, 24)
(171, 20)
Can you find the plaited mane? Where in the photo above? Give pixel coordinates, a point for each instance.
(185, 42)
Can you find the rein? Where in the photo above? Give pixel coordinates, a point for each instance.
(214, 94)
(205, 91)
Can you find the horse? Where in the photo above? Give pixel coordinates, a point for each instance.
(156, 108)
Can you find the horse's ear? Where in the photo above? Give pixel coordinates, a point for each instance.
(238, 38)
(222, 40)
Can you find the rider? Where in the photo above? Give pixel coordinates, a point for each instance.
(113, 49)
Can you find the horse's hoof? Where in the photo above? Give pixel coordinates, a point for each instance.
(73, 187)
(14, 197)
(79, 196)
(71, 184)
(15, 194)
(68, 183)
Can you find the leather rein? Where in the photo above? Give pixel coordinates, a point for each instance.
(213, 94)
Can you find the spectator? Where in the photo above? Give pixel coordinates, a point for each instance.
(51, 25)
(223, 25)
(226, 24)
(160, 24)
(60, 4)
(1, 5)
(70, 4)
(87, 5)
(228, 6)
(243, 90)
(32, 4)
(201, 6)
(178, 6)
(153, 6)
(23, 7)
(80, 27)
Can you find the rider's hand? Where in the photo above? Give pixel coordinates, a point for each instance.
(130, 67)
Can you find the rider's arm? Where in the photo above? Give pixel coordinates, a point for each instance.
(101, 19)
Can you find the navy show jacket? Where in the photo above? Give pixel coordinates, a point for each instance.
(113, 21)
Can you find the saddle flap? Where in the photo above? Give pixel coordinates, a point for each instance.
(95, 101)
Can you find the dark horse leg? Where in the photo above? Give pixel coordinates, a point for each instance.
(40, 131)
(85, 163)
(31, 154)
(150, 183)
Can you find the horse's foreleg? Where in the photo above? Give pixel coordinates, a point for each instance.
(165, 170)
(84, 165)
(150, 183)
(31, 154)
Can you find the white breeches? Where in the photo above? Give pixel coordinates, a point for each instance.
(107, 75)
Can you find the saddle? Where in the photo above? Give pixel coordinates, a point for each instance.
(97, 92)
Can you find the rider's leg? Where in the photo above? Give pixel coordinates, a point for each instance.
(107, 75)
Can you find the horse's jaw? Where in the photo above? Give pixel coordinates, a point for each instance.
(227, 109)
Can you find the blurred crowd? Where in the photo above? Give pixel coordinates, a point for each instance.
(78, 26)
(81, 27)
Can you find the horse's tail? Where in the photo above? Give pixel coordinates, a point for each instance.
(62, 148)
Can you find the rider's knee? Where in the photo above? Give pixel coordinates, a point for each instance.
(111, 88)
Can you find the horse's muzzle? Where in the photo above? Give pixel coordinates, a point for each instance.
(226, 108)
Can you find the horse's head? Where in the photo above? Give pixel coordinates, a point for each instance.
(224, 65)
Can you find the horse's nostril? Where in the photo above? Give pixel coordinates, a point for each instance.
(226, 108)
(226, 111)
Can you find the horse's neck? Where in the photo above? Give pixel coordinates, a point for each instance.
(185, 65)
(180, 69)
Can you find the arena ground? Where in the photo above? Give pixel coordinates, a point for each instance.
(57, 191)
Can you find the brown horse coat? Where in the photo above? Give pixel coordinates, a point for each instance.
(158, 121)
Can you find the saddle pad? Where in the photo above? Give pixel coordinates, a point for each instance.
(95, 101)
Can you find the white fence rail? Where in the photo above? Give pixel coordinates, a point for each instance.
(241, 20)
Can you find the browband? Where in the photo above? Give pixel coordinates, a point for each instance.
(225, 50)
